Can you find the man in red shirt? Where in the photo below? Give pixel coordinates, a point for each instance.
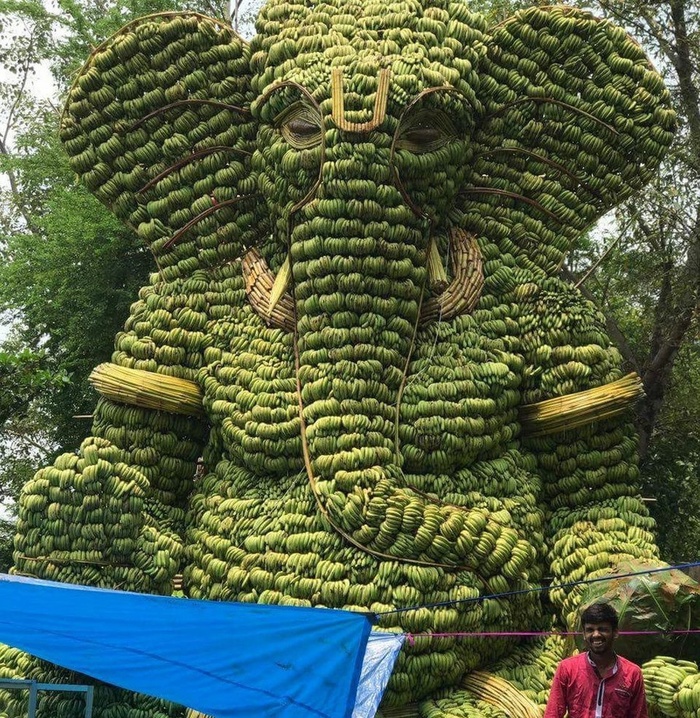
(597, 683)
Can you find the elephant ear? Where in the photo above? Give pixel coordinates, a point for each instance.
(158, 128)
(576, 119)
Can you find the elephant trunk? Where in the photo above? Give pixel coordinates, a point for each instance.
(359, 272)
(359, 268)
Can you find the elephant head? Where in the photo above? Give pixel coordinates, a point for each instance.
(375, 168)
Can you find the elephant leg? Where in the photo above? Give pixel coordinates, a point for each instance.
(454, 703)
(672, 686)
(530, 667)
(484, 695)
(108, 517)
(109, 701)
(518, 684)
(459, 703)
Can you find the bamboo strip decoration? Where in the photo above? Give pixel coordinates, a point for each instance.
(147, 389)
(378, 113)
(573, 410)
(266, 293)
(501, 694)
(463, 292)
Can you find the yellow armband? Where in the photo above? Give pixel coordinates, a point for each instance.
(583, 407)
(147, 389)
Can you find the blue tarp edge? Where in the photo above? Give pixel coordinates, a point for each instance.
(340, 635)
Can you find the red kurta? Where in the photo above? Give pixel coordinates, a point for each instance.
(578, 687)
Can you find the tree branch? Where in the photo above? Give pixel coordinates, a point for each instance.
(9, 172)
(17, 195)
(651, 27)
(20, 92)
(23, 437)
(671, 323)
(684, 67)
(611, 326)
(599, 261)
(4, 148)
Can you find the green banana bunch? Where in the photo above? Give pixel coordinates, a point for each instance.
(669, 685)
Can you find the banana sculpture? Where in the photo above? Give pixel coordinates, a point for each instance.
(356, 321)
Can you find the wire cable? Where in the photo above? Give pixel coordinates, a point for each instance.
(539, 589)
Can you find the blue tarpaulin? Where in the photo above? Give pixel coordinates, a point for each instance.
(223, 659)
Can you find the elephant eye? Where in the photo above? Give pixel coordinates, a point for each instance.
(301, 127)
(421, 136)
(425, 131)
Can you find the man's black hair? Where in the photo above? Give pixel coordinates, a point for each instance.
(600, 613)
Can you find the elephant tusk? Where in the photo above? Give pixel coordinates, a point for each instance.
(464, 291)
(269, 298)
(280, 286)
(437, 276)
(267, 295)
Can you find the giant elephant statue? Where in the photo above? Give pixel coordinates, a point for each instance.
(356, 378)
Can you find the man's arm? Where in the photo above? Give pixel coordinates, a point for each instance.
(638, 704)
(556, 704)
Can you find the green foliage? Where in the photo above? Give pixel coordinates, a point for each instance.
(6, 533)
(22, 377)
(671, 469)
(671, 475)
(72, 288)
(25, 379)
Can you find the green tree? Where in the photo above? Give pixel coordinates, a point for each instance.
(6, 531)
(645, 275)
(68, 269)
(23, 379)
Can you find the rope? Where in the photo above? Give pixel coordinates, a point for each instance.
(539, 589)
(410, 637)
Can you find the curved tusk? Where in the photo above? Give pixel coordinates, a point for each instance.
(464, 291)
(272, 302)
(267, 294)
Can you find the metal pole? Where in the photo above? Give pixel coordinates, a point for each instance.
(88, 701)
(32, 700)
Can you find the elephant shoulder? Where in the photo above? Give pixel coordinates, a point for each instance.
(564, 343)
(175, 325)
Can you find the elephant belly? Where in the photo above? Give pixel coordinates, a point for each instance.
(461, 397)
(261, 540)
(458, 406)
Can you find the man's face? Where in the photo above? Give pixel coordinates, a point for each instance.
(599, 637)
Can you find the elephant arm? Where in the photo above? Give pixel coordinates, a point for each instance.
(596, 519)
(112, 515)
(595, 516)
